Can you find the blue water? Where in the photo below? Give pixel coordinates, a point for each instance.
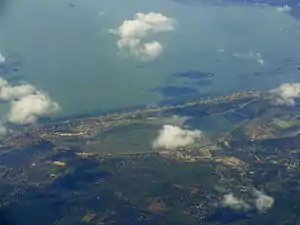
(67, 51)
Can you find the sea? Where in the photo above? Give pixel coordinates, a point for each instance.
(64, 47)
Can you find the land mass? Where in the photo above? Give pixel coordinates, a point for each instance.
(104, 170)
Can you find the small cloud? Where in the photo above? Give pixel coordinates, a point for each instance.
(3, 130)
(2, 58)
(286, 94)
(284, 8)
(27, 103)
(133, 33)
(29, 108)
(256, 200)
(8, 92)
(101, 13)
(220, 50)
(173, 137)
(150, 51)
(263, 202)
(229, 200)
(257, 57)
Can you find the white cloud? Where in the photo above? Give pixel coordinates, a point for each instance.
(229, 200)
(284, 8)
(3, 130)
(27, 103)
(220, 50)
(263, 202)
(258, 200)
(133, 33)
(29, 108)
(173, 137)
(151, 50)
(2, 58)
(257, 57)
(101, 13)
(286, 94)
(8, 92)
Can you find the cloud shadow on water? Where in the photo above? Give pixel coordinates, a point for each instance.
(198, 78)
(194, 74)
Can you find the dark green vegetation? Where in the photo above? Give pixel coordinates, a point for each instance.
(103, 170)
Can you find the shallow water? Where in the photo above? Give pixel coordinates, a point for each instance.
(68, 52)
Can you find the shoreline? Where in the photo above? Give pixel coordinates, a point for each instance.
(140, 109)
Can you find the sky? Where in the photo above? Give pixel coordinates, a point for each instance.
(99, 55)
